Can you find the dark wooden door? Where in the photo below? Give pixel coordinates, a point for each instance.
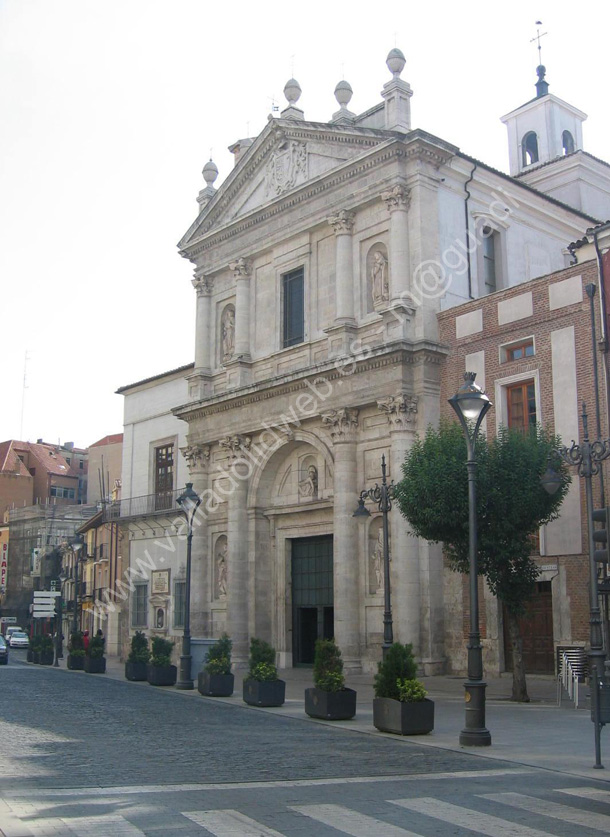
(536, 627)
(312, 595)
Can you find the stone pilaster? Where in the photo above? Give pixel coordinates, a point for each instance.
(343, 426)
(242, 271)
(401, 413)
(343, 224)
(238, 583)
(397, 200)
(198, 460)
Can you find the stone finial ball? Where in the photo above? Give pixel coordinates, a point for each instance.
(292, 91)
(343, 93)
(395, 61)
(210, 172)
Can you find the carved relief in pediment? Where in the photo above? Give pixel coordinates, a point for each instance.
(287, 166)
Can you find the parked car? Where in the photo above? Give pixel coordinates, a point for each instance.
(3, 652)
(19, 639)
(11, 630)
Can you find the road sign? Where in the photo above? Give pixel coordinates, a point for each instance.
(45, 594)
(10, 620)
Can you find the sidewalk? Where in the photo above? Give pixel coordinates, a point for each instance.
(538, 734)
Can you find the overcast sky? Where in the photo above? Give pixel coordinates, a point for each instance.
(109, 110)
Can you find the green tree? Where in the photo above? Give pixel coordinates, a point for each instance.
(511, 507)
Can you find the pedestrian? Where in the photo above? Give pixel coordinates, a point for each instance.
(99, 633)
(86, 641)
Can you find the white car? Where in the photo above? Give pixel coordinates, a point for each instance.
(11, 630)
(19, 639)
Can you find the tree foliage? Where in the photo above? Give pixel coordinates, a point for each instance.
(511, 502)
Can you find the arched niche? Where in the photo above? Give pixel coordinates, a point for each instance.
(220, 568)
(226, 348)
(374, 558)
(377, 277)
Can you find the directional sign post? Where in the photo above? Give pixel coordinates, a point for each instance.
(44, 604)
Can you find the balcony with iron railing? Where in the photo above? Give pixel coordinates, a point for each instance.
(148, 505)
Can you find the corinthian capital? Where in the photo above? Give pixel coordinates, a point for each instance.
(196, 456)
(242, 268)
(236, 446)
(203, 285)
(399, 409)
(342, 222)
(398, 197)
(342, 424)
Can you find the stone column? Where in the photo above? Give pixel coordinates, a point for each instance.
(343, 224)
(237, 538)
(401, 413)
(242, 270)
(343, 426)
(198, 461)
(203, 286)
(397, 201)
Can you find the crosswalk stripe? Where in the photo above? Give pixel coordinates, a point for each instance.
(467, 818)
(600, 822)
(101, 826)
(230, 823)
(587, 793)
(351, 822)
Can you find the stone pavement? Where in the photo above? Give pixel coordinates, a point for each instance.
(540, 733)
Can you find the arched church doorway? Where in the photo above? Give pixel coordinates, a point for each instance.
(312, 595)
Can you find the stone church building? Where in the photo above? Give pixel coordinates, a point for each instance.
(320, 266)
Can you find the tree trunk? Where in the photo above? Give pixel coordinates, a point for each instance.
(519, 686)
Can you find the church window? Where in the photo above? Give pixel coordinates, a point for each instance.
(530, 149)
(567, 141)
(293, 293)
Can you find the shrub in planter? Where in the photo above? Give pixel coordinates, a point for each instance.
(215, 679)
(76, 651)
(329, 698)
(261, 686)
(160, 671)
(95, 662)
(46, 650)
(400, 703)
(36, 648)
(139, 656)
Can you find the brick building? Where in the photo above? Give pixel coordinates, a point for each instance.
(531, 347)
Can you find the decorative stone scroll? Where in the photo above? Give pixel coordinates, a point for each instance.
(342, 222)
(196, 456)
(398, 197)
(342, 423)
(399, 409)
(242, 268)
(236, 446)
(203, 285)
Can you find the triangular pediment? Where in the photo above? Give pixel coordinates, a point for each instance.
(285, 156)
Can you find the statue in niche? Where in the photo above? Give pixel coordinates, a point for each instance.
(228, 333)
(308, 487)
(377, 562)
(221, 571)
(379, 278)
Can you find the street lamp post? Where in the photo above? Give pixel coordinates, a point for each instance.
(59, 620)
(382, 495)
(588, 458)
(189, 502)
(77, 545)
(471, 405)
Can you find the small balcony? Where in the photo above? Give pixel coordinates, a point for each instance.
(149, 505)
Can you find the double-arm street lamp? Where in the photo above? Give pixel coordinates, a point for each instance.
(588, 458)
(471, 406)
(382, 495)
(189, 502)
(76, 544)
(59, 627)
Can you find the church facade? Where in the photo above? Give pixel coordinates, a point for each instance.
(320, 266)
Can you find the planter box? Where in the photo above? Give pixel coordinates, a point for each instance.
(331, 706)
(161, 675)
(30, 656)
(36, 657)
(215, 685)
(136, 671)
(46, 658)
(75, 663)
(403, 718)
(95, 665)
(266, 693)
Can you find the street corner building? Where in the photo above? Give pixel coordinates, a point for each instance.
(321, 267)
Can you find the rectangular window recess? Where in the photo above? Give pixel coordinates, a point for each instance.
(519, 350)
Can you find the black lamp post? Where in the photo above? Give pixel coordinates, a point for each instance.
(471, 405)
(59, 652)
(76, 544)
(382, 495)
(189, 502)
(588, 458)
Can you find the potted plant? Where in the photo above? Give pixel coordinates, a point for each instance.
(160, 671)
(139, 656)
(76, 651)
(95, 662)
(30, 652)
(329, 698)
(46, 654)
(400, 703)
(215, 679)
(261, 686)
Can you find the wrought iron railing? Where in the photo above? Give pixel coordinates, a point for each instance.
(145, 506)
